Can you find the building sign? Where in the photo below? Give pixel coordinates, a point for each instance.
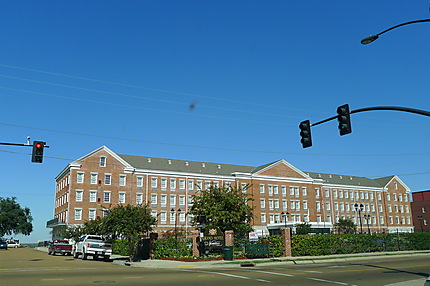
(253, 236)
(213, 239)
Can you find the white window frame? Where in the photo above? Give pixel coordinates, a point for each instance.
(139, 198)
(103, 160)
(78, 213)
(108, 179)
(121, 197)
(93, 196)
(106, 194)
(92, 214)
(79, 195)
(80, 177)
(122, 180)
(94, 177)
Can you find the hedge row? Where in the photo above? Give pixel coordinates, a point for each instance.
(326, 244)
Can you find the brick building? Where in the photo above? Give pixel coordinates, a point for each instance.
(283, 195)
(420, 210)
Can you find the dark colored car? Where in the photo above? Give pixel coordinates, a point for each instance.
(3, 245)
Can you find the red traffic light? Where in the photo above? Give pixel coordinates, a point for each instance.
(39, 145)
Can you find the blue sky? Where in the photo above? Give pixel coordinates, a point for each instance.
(82, 74)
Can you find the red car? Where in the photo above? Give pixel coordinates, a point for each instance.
(60, 246)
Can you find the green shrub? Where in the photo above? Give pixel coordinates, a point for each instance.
(120, 247)
(173, 248)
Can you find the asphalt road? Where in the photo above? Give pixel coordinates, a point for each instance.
(26, 266)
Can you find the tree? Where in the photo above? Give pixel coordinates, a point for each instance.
(224, 207)
(89, 227)
(128, 222)
(303, 228)
(13, 218)
(345, 226)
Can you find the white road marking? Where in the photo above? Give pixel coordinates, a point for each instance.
(225, 274)
(327, 281)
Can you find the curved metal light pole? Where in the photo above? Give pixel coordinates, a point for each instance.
(372, 38)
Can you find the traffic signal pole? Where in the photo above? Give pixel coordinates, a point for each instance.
(374, 108)
(41, 145)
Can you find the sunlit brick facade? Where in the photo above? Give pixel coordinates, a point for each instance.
(283, 195)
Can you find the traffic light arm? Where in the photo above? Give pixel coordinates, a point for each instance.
(392, 108)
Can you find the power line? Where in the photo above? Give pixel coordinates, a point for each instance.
(206, 147)
(152, 89)
(145, 98)
(139, 107)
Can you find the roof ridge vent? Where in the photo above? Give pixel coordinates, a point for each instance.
(340, 177)
(329, 176)
(149, 160)
(203, 165)
(169, 162)
(219, 166)
(186, 163)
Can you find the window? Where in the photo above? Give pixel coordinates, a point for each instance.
(172, 217)
(262, 189)
(284, 205)
(121, 198)
(292, 191)
(388, 197)
(154, 182)
(305, 205)
(106, 197)
(271, 204)
(284, 191)
(139, 182)
(327, 193)
(172, 184)
(163, 184)
(163, 217)
(270, 190)
(154, 199)
(263, 218)
(190, 200)
(93, 196)
(335, 194)
(318, 206)
(172, 200)
(262, 203)
(108, 178)
(79, 195)
(93, 178)
(80, 178)
(182, 200)
(122, 180)
(92, 214)
(154, 214)
(78, 214)
(182, 184)
(190, 185)
(379, 197)
(163, 200)
(102, 161)
(276, 202)
(139, 198)
(199, 184)
(182, 217)
(296, 191)
(297, 205)
(317, 193)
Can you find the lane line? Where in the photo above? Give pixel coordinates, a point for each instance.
(327, 281)
(226, 274)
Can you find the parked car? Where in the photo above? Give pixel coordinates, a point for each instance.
(60, 246)
(3, 244)
(92, 245)
(13, 243)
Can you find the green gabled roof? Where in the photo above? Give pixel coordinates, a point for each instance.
(345, 180)
(384, 181)
(184, 166)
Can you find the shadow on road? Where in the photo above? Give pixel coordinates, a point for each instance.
(393, 270)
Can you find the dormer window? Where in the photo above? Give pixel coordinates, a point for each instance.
(102, 161)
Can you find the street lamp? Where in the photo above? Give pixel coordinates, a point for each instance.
(367, 217)
(420, 218)
(285, 215)
(372, 38)
(359, 208)
(176, 214)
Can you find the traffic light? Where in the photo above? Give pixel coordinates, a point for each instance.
(305, 133)
(344, 120)
(37, 154)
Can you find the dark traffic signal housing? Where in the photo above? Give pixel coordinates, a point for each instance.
(305, 133)
(344, 119)
(37, 154)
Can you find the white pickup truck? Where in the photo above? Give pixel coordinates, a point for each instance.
(92, 245)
